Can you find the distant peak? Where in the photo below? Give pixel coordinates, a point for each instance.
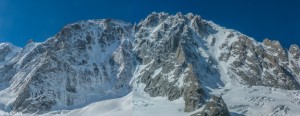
(154, 17)
(294, 50)
(190, 16)
(4, 44)
(273, 43)
(8, 44)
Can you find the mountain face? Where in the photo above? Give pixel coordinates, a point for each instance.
(86, 62)
(7, 51)
(170, 56)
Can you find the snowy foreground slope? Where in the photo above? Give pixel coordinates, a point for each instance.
(252, 101)
(177, 65)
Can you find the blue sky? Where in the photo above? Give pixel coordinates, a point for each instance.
(21, 20)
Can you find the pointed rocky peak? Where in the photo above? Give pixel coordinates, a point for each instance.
(7, 51)
(267, 42)
(7, 44)
(190, 16)
(294, 50)
(275, 48)
(272, 43)
(4, 51)
(203, 27)
(179, 15)
(94, 25)
(153, 19)
(196, 20)
(30, 43)
(84, 34)
(163, 20)
(163, 24)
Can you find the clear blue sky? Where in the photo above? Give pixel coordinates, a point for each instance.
(21, 20)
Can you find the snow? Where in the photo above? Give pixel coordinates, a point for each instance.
(260, 100)
(6, 98)
(14, 50)
(144, 105)
(113, 107)
(96, 90)
(156, 72)
(240, 99)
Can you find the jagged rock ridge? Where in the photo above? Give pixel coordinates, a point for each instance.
(174, 56)
(86, 62)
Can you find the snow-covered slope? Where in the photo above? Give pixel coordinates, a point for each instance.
(7, 51)
(260, 100)
(113, 107)
(186, 56)
(168, 64)
(86, 62)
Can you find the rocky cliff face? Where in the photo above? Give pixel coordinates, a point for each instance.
(265, 64)
(215, 107)
(162, 45)
(7, 51)
(173, 56)
(85, 62)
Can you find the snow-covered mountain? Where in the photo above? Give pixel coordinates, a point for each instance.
(7, 51)
(85, 62)
(164, 65)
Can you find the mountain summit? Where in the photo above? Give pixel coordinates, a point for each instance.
(166, 65)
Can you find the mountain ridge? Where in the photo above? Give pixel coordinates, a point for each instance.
(173, 56)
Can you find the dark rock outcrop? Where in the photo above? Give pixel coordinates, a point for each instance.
(215, 107)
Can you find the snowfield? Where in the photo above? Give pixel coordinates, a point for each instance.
(112, 107)
(245, 100)
(260, 101)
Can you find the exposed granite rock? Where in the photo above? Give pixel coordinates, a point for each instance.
(295, 52)
(86, 61)
(4, 51)
(169, 51)
(295, 55)
(7, 51)
(258, 59)
(215, 107)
